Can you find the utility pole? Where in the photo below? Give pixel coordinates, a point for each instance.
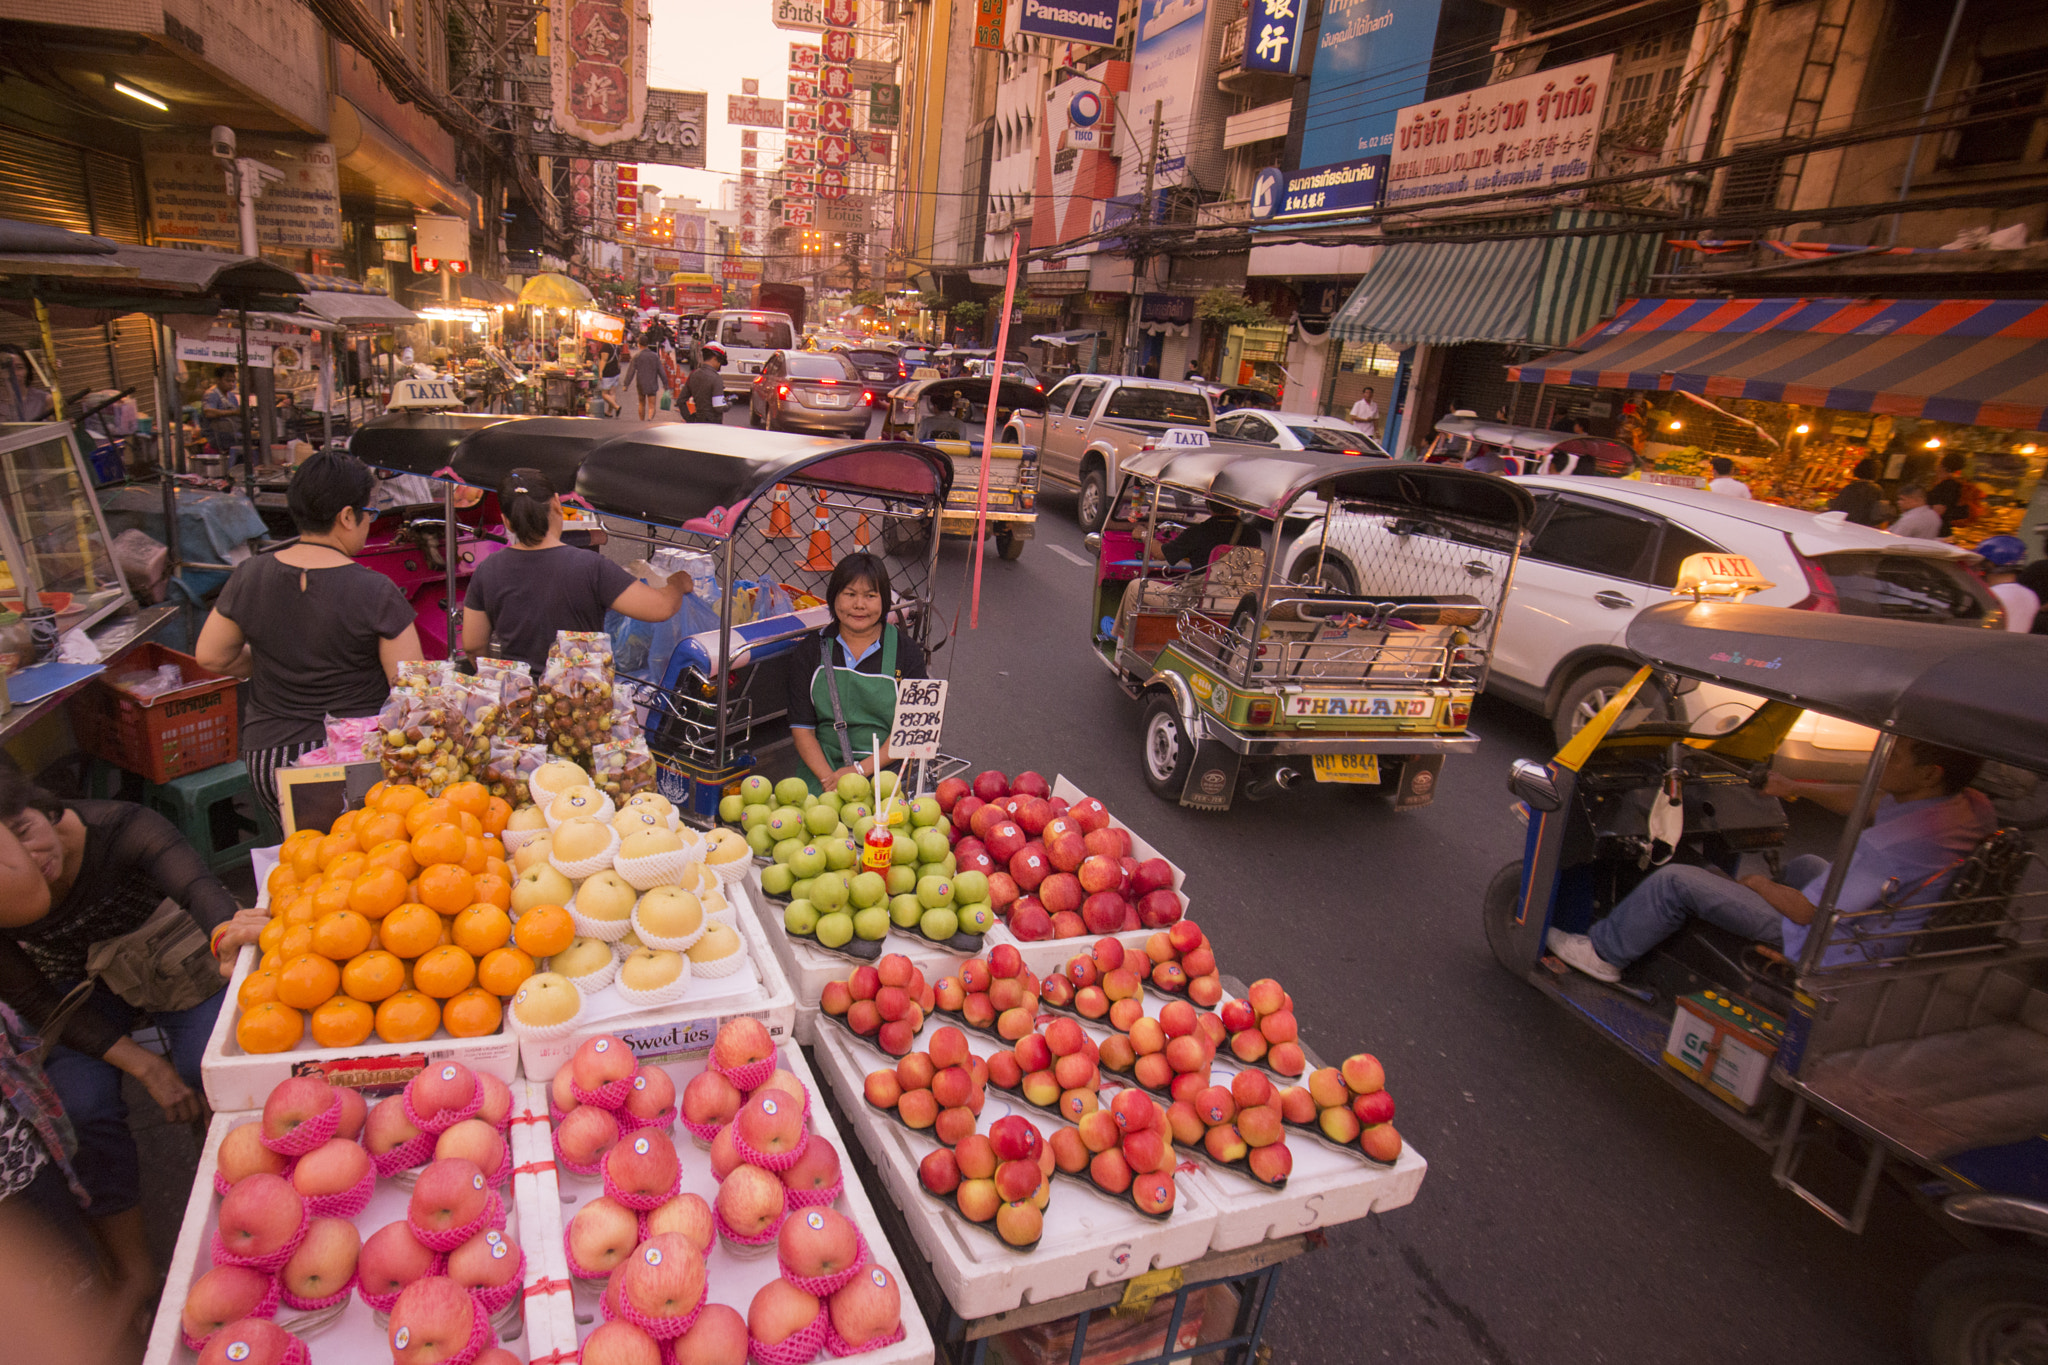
(1138, 256)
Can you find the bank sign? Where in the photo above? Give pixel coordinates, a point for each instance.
(1072, 21)
(1348, 187)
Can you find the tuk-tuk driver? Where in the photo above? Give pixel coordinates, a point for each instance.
(1926, 821)
(1221, 529)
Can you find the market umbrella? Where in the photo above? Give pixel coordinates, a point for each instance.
(551, 290)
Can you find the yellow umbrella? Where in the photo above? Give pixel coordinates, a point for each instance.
(551, 290)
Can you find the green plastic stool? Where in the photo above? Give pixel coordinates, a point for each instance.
(217, 811)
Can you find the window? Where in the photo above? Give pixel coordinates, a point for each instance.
(1084, 398)
(756, 333)
(1595, 539)
(1336, 441)
(1056, 401)
(822, 365)
(1229, 427)
(772, 366)
(2018, 82)
(1753, 183)
(1677, 545)
(1904, 588)
(1139, 404)
(1256, 429)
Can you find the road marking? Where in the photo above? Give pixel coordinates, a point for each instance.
(1064, 553)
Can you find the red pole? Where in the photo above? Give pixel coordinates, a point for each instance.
(988, 434)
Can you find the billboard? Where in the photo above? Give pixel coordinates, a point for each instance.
(752, 111)
(671, 130)
(692, 232)
(597, 69)
(1345, 187)
(1075, 171)
(1536, 131)
(1372, 57)
(1169, 68)
(189, 202)
(1072, 21)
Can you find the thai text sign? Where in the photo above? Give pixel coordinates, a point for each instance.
(1535, 131)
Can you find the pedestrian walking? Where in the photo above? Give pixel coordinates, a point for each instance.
(1955, 497)
(1916, 518)
(704, 391)
(2003, 558)
(645, 372)
(1862, 498)
(1365, 415)
(1724, 481)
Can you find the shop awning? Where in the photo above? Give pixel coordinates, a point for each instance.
(484, 291)
(357, 310)
(1977, 361)
(1064, 338)
(1529, 291)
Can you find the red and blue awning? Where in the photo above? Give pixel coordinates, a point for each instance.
(1978, 361)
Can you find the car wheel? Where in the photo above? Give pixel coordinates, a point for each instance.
(1009, 545)
(1168, 753)
(754, 418)
(1593, 689)
(1982, 1309)
(1332, 576)
(1497, 912)
(1091, 508)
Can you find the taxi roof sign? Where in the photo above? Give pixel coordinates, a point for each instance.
(1719, 575)
(425, 393)
(1184, 438)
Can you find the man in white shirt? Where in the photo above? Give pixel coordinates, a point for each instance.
(2003, 556)
(1916, 518)
(1365, 415)
(1724, 481)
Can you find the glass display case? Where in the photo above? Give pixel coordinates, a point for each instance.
(51, 528)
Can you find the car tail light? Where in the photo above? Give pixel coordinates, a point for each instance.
(1820, 589)
(868, 399)
(782, 390)
(1459, 712)
(1261, 712)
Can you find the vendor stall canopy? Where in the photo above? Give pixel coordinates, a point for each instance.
(550, 290)
(1976, 690)
(87, 280)
(1980, 362)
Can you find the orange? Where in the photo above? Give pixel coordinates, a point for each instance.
(329, 897)
(300, 910)
(503, 969)
(257, 987)
(376, 827)
(443, 972)
(341, 935)
(298, 841)
(347, 867)
(307, 980)
(426, 813)
(440, 844)
(496, 814)
(499, 868)
(342, 1022)
(373, 975)
(408, 1017)
(298, 939)
(490, 888)
(345, 823)
(480, 928)
(447, 931)
(305, 859)
(447, 888)
(334, 845)
(270, 961)
(409, 930)
(494, 848)
(272, 935)
(544, 930)
(472, 1014)
(270, 1027)
(374, 795)
(398, 798)
(395, 854)
(281, 882)
(470, 824)
(376, 893)
(473, 858)
(469, 797)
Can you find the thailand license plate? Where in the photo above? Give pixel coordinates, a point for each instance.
(831, 400)
(1347, 767)
(1359, 706)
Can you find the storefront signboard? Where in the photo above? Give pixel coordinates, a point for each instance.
(1535, 132)
(1371, 55)
(189, 201)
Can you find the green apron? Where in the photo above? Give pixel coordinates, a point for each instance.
(865, 705)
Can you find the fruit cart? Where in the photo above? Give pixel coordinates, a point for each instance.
(1246, 675)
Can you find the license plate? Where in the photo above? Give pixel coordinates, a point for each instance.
(1358, 706)
(1347, 768)
(831, 400)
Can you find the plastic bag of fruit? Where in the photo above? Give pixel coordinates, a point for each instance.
(421, 740)
(518, 720)
(576, 692)
(622, 768)
(347, 737)
(419, 675)
(509, 768)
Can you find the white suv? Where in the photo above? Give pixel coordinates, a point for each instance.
(1602, 549)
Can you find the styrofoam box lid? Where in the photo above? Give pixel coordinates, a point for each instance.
(733, 1280)
(1089, 1239)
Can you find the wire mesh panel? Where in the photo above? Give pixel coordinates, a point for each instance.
(1388, 554)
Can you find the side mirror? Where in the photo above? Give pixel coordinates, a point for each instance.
(1533, 782)
(1093, 542)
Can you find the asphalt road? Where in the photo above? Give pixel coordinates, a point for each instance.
(1576, 1208)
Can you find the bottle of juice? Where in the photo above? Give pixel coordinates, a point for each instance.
(877, 849)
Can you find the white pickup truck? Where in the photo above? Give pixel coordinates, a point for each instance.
(1093, 422)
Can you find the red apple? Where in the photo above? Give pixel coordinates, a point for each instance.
(324, 1262)
(1374, 1109)
(1271, 1163)
(1363, 1073)
(977, 1200)
(242, 1153)
(1066, 850)
(338, 1166)
(1297, 1105)
(1090, 813)
(1153, 1192)
(1005, 840)
(779, 1311)
(1248, 1046)
(1380, 1142)
(991, 785)
(1287, 1059)
(393, 1258)
(586, 1133)
(1111, 843)
(260, 1215)
(432, 1320)
(719, 1338)
(1029, 920)
(939, 1172)
(741, 1042)
(918, 1108)
(1250, 1088)
(1156, 909)
(1153, 874)
(645, 1165)
(1104, 912)
(690, 1216)
(1110, 1171)
(1100, 873)
(299, 1099)
(750, 1200)
(1169, 976)
(1004, 1071)
(229, 1293)
(252, 1341)
(1032, 813)
(1014, 1138)
(818, 1242)
(1068, 924)
(976, 1156)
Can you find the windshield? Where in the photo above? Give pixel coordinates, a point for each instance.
(756, 333)
(821, 365)
(874, 359)
(915, 355)
(1158, 405)
(1336, 440)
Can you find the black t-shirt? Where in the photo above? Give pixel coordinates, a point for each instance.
(809, 656)
(1947, 498)
(531, 594)
(1862, 499)
(313, 636)
(1204, 538)
(134, 859)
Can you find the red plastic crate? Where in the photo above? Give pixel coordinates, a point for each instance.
(168, 736)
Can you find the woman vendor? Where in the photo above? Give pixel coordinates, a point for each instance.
(841, 734)
(538, 585)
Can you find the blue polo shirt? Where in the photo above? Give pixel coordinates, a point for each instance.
(1906, 845)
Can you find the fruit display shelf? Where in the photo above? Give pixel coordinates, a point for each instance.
(808, 967)
(1048, 954)
(1087, 1240)
(352, 1334)
(759, 989)
(571, 1316)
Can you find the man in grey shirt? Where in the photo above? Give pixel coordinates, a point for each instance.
(644, 369)
(705, 391)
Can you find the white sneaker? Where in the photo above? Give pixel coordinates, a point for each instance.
(1577, 951)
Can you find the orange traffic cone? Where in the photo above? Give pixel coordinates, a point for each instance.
(820, 560)
(780, 524)
(860, 532)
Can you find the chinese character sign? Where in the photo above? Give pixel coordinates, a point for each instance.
(597, 69)
(1272, 28)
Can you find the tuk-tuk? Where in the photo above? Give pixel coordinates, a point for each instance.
(923, 409)
(1245, 675)
(1906, 1033)
(1528, 450)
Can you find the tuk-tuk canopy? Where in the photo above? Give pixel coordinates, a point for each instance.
(1535, 443)
(1971, 689)
(1271, 483)
(1012, 394)
(481, 448)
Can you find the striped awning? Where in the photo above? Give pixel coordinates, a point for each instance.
(1530, 291)
(1978, 361)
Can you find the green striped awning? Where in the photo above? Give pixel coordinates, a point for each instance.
(1532, 291)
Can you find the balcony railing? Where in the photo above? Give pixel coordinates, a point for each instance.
(1233, 46)
(1223, 213)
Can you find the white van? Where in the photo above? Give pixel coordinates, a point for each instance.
(750, 336)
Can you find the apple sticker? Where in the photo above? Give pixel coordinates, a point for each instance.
(880, 1277)
(601, 1045)
(239, 1350)
(639, 1082)
(640, 1146)
(497, 1251)
(401, 1338)
(447, 1073)
(477, 1180)
(815, 1220)
(654, 1255)
(768, 1106)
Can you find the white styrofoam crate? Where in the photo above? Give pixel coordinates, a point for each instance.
(734, 1280)
(758, 990)
(235, 1079)
(1088, 1240)
(354, 1335)
(1047, 955)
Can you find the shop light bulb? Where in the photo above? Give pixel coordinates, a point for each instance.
(2029, 448)
(1934, 443)
(1675, 425)
(1802, 428)
(143, 95)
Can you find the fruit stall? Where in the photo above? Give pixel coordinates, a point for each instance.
(529, 1067)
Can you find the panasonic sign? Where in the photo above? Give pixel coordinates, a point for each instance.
(1074, 21)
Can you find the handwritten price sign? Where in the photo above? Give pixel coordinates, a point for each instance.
(920, 714)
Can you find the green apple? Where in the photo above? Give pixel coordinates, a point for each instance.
(787, 823)
(853, 787)
(885, 786)
(792, 791)
(800, 889)
(730, 808)
(759, 839)
(820, 819)
(969, 887)
(978, 917)
(950, 863)
(871, 923)
(902, 849)
(756, 790)
(932, 845)
(800, 917)
(787, 849)
(925, 811)
(835, 929)
(808, 862)
(840, 831)
(934, 892)
(841, 852)
(861, 825)
(902, 879)
(828, 799)
(777, 880)
(855, 810)
(867, 888)
(906, 910)
(939, 923)
(755, 816)
(828, 891)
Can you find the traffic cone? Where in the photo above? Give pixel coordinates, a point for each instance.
(780, 524)
(820, 560)
(860, 532)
